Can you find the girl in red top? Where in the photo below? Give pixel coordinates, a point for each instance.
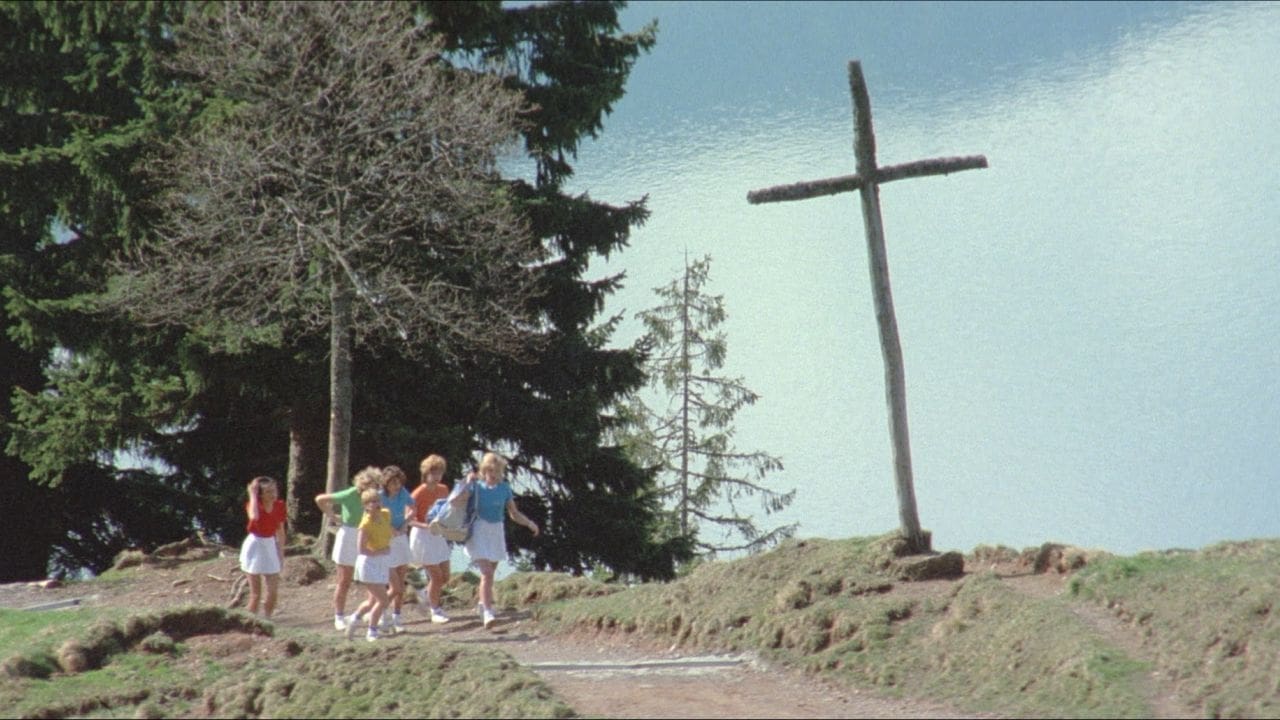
(262, 554)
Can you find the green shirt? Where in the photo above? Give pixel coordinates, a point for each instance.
(349, 502)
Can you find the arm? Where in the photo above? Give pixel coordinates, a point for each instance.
(324, 501)
(280, 543)
(255, 509)
(520, 517)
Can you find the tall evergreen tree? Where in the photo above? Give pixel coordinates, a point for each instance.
(71, 120)
(597, 507)
(87, 98)
(358, 197)
(688, 433)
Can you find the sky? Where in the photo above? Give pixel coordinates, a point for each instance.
(1088, 325)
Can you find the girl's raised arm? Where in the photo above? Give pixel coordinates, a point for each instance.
(255, 506)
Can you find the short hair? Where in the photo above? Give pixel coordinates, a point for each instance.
(431, 463)
(493, 460)
(370, 494)
(370, 477)
(393, 472)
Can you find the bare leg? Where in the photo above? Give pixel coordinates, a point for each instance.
(255, 592)
(487, 568)
(437, 576)
(345, 575)
(365, 606)
(273, 586)
(397, 586)
(378, 596)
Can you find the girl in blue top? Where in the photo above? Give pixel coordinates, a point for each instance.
(487, 545)
(399, 502)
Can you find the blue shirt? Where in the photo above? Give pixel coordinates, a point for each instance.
(491, 502)
(397, 504)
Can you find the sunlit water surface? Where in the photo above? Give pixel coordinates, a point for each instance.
(1089, 326)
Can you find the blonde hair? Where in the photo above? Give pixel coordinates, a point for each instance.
(370, 477)
(493, 460)
(431, 463)
(370, 494)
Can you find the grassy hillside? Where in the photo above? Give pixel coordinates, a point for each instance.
(1113, 641)
(148, 665)
(1202, 620)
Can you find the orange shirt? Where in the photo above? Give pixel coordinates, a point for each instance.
(423, 499)
(268, 520)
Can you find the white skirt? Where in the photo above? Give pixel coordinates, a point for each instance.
(259, 555)
(373, 569)
(427, 548)
(488, 541)
(399, 551)
(345, 549)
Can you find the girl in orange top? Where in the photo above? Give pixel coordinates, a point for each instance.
(426, 548)
(262, 553)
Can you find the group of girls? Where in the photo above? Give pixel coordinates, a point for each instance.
(382, 529)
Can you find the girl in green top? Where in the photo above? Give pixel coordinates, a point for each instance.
(345, 510)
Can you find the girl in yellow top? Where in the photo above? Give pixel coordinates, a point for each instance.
(372, 568)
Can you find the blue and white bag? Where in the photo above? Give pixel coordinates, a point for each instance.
(449, 521)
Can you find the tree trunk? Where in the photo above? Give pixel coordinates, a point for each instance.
(338, 468)
(685, 371)
(305, 477)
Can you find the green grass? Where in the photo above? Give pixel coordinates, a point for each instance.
(834, 608)
(140, 665)
(1209, 617)
(823, 606)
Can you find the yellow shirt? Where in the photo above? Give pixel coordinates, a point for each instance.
(377, 531)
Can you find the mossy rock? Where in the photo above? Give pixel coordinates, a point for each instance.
(914, 568)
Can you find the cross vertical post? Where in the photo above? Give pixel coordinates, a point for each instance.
(867, 182)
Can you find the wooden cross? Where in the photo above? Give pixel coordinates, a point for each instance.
(867, 181)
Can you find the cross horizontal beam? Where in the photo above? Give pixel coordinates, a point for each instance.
(846, 183)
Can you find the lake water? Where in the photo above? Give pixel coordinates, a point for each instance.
(1089, 326)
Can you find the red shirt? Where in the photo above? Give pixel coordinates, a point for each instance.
(423, 500)
(269, 521)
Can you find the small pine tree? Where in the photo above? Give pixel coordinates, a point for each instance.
(689, 441)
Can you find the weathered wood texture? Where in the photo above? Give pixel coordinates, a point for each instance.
(850, 183)
(867, 182)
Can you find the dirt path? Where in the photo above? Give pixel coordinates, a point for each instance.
(609, 678)
(599, 676)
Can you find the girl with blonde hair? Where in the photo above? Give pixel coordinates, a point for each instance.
(345, 509)
(487, 545)
(262, 553)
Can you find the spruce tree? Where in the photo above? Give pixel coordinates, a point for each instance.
(88, 98)
(73, 113)
(687, 432)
